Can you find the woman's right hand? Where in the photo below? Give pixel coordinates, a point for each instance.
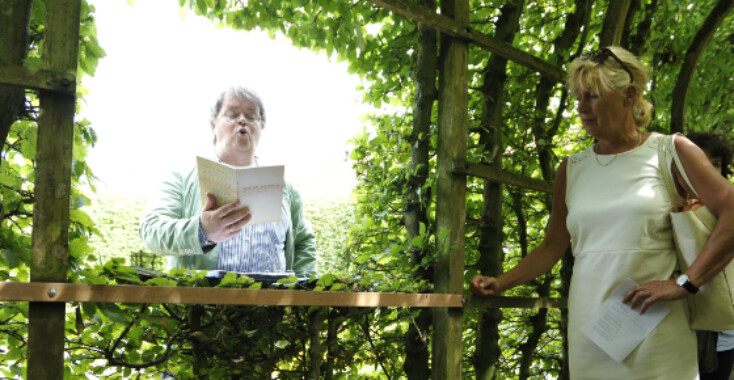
(484, 286)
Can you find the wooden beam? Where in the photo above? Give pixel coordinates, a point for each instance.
(50, 242)
(505, 177)
(59, 292)
(51, 292)
(449, 26)
(38, 79)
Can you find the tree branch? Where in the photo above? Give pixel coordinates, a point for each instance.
(693, 55)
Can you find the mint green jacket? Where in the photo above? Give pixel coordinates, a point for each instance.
(170, 227)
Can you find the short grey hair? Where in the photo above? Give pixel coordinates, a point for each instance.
(242, 93)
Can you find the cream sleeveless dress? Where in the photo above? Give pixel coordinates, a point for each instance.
(619, 226)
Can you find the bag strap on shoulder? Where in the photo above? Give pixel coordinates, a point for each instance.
(681, 170)
(665, 143)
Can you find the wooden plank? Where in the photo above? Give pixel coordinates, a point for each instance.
(63, 292)
(448, 26)
(49, 247)
(451, 193)
(505, 177)
(38, 79)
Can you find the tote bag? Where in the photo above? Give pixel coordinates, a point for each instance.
(712, 308)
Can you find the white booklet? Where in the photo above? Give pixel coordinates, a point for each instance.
(260, 188)
(618, 329)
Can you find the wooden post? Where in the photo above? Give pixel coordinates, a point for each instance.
(451, 197)
(49, 249)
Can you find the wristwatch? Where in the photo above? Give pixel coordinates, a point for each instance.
(683, 282)
(205, 244)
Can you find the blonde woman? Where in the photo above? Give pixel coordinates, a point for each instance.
(610, 203)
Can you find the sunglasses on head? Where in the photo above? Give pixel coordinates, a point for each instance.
(601, 55)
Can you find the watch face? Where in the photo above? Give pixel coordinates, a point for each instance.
(682, 279)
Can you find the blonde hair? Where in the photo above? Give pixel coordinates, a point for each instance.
(608, 75)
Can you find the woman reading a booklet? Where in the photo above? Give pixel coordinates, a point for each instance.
(611, 203)
(211, 236)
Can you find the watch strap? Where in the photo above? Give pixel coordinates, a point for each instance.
(205, 244)
(686, 284)
(690, 287)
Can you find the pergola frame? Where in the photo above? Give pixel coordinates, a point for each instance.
(48, 291)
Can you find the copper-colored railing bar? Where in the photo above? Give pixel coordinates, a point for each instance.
(446, 25)
(38, 79)
(505, 177)
(515, 302)
(61, 292)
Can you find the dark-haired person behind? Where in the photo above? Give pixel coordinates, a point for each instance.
(209, 237)
(715, 350)
(611, 204)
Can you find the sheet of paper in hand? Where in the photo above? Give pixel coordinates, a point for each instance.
(618, 329)
(258, 188)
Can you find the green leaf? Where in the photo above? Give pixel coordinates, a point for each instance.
(201, 7)
(78, 202)
(89, 309)
(80, 217)
(417, 242)
(79, 247)
(13, 258)
(10, 181)
(362, 259)
(160, 281)
(113, 312)
(78, 320)
(12, 355)
(229, 280)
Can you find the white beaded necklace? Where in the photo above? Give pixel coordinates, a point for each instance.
(596, 156)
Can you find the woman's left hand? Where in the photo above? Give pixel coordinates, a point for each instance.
(653, 292)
